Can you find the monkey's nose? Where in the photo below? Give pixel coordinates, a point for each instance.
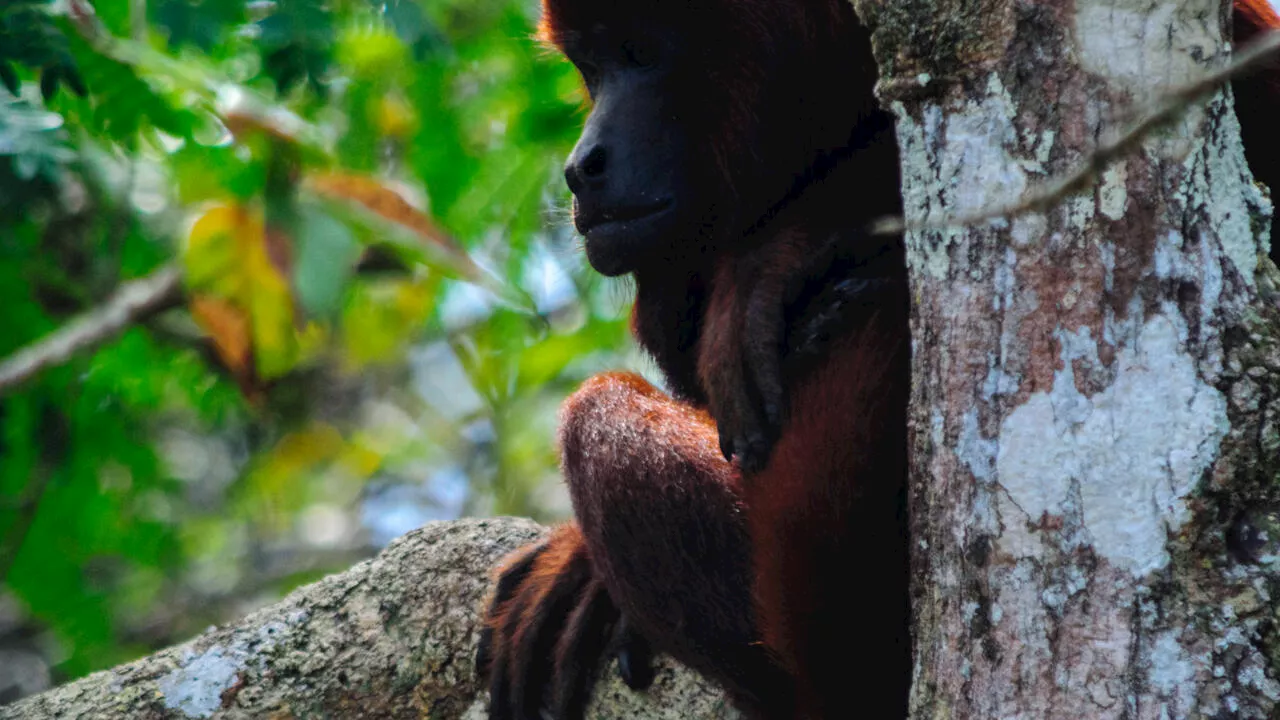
(584, 167)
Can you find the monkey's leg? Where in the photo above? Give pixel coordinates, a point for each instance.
(661, 543)
(662, 514)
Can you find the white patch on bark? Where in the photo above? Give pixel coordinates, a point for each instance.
(975, 451)
(1172, 670)
(1113, 194)
(976, 170)
(1128, 42)
(1120, 463)
(196, 688)
(981, 173)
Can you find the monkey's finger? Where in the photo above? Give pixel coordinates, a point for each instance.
(751, 444)
(547, 611)
(767, 374)
(726, 441)
(484, 653)
(580, 651)
(499, 698)
(510, 578)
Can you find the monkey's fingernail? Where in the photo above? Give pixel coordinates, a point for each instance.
(636, 672)
(726, 447)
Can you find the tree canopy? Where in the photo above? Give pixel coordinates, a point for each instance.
(374, 300)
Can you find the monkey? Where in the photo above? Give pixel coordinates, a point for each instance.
(719, 178)
(751, 523)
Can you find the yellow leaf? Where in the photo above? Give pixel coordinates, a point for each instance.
(229, 261)
(381, 316)
(395, 117)
(362, 456)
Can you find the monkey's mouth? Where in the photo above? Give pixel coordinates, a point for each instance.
(611, 220)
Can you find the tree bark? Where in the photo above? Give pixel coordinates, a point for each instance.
(1094, 497)
(392, 637)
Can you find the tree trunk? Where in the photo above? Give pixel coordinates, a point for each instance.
(1094, 497)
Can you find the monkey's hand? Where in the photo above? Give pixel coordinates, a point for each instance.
(773, 313)
(547, 630)
(739, 360)
(747, 413)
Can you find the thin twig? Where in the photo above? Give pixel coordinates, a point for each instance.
(1168, 109)
(133, 302)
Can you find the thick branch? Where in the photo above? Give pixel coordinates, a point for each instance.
(393, 637)
(134, 301)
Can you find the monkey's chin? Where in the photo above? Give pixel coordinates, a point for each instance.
(612, 255)
(618, 247)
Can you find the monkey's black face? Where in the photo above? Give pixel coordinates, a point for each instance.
(632, 173)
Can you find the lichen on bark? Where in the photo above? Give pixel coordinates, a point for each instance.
(1090, 383)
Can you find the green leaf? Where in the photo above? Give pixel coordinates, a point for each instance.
(120, 103)
(326, 256)
(202, 23)
(30, 36)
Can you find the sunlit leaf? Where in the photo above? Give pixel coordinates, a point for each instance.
(373, 200)
(372, 51)
(395, 117)
(279, 481)
(226, 257)
(378, 313)
(362, 456)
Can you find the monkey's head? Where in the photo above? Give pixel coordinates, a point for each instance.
(704, 115)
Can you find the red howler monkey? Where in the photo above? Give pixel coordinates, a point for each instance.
(734, 182)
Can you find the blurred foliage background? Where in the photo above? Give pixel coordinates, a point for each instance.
(371, 301)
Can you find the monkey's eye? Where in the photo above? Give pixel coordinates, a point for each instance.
(640, 53)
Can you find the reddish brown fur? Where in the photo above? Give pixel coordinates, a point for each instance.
(789, 586)
(1256, 101)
